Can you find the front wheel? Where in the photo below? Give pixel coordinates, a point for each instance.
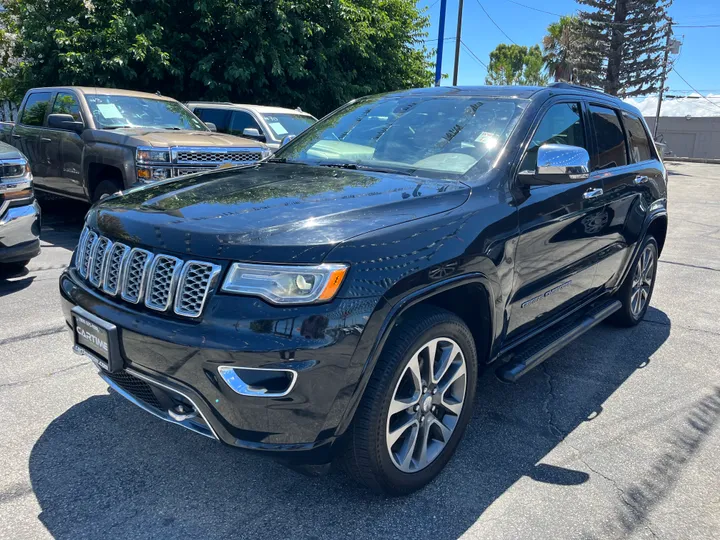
(637, 289)
(417, 404)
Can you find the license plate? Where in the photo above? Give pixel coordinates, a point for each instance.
(98, 337)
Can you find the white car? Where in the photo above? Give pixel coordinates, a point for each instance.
(270, 125)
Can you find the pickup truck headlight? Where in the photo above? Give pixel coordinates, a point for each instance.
(15, 180)
(153, 174)
(148, 155)
(286, 284)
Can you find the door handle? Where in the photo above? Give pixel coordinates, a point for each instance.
(15, 136)
(592, 193)
(45, 139)
(640, 180)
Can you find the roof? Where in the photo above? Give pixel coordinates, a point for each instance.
(259, 108)
(90, 90)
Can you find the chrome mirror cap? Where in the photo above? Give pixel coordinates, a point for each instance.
(562, 163)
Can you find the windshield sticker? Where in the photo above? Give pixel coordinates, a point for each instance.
(278, 128)
(109, 110)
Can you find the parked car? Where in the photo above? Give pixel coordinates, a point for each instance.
(270, 125)
(19, 212)
(87, 143)
(340, 299)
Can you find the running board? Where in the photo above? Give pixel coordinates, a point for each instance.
(544, 346)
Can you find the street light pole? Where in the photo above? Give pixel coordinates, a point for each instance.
(441, 40)
(457, 43)
(664, 76)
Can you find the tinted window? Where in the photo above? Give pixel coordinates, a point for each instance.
(562, 124)
(240, 121)
(219, 117)
(637, 139)
(288, 124)
(35, 109)
(610, 138)
(67, 104)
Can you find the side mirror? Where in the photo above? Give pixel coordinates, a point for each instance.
(558, 164)
(253, 133)
(65, 121)
(286, 139)
(211, 126)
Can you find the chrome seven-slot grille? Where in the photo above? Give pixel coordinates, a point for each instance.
(137, 275)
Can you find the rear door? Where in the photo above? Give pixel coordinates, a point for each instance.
(63, 149)
(555, 256)
(28, 130)
(625, 159)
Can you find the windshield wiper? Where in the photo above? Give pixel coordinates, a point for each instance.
(118, 127)
(361, 167)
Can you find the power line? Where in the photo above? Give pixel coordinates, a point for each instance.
(433, 4)
(691, 86)
(696, 25)
(535, 9)
(473, 54)
(435, 39)
(492, 21)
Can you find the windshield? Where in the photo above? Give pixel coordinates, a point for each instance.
(419, 135)
(288, 124)
(115, 111)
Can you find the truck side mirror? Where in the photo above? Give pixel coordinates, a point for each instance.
(211, 126)
(65, 121)
(558, 164)
(286, 139)
(253, 133)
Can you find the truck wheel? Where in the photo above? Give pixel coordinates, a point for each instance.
(13, 267)
(636, 291)
(104, 189)
(417, 404)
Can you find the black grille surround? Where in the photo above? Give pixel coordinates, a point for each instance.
(160, 282)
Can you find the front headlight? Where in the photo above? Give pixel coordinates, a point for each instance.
(286, 284)
(148, 155)
(15, 180)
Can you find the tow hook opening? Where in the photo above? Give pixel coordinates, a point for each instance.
(182, 412)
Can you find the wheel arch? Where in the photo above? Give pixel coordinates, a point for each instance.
(657, 227)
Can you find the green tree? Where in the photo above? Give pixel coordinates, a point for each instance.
(516, 64)
(558, 50)
(621, 44)
(316, 54)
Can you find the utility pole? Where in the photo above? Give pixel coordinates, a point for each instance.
(457, 43)
(441, 40)
(664, 76)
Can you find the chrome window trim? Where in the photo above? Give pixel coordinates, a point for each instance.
(123, 260)
(143, 278)
(239, 386)
(214, 273)
(173, 287)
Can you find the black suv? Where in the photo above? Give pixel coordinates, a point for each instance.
(340, 298)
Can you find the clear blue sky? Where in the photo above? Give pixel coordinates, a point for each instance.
(698, 63)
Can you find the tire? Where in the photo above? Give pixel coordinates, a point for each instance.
(388, 468)
(104, 189)
(630, 314)
(13, 267)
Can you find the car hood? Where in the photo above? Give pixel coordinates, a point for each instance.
(270, 212)
(167, 138)
(8, 152)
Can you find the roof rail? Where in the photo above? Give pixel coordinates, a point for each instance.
(570, 86)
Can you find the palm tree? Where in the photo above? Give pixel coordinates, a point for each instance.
(556, 48)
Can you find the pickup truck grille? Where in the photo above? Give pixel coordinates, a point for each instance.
(159, 281)
(201, 156)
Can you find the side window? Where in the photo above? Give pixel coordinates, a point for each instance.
(240, 121)
(562, 124)
(219, 117)
(637, 137)
(35, 108)
(67, 104)
(610, 138)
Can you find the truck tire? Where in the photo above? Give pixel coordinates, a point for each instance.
(104, 189)
(636, 291)
(414, 411)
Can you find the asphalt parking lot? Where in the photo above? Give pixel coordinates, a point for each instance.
(617, 436)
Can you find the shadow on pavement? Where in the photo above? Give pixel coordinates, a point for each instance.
(62, 221)
(107, 469)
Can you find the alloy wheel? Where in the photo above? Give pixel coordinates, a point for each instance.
(426, 404)
(642, 281)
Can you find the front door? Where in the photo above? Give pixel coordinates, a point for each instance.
(28, 132)
(63, 150)
(555, 256)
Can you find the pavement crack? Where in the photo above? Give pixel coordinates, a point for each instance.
(43, 377)
(552, 428)
(33, 335)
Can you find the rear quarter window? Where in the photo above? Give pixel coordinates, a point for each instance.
(609, 136)
(638, 141)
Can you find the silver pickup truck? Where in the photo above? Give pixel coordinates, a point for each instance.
(19, 212)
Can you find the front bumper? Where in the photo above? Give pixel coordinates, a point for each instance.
(19, 232)
(183, 357)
